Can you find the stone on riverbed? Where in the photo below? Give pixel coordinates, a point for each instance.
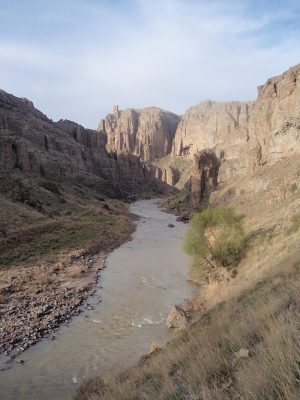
(183, 218)
(177, 318)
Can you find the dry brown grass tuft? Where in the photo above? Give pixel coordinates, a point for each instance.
(76, 271)
(41, 275)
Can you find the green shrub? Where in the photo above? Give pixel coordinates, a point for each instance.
(216, 238)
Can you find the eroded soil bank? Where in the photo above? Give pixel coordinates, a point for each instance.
(144, 278)
(45, 290)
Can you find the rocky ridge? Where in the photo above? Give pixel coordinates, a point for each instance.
(242, 135)
(245, 136)
(147, 133)
(35, 145)
(274, 126)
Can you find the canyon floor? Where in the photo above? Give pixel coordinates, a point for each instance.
(51, 259)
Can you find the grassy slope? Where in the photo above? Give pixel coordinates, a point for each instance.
(203, 362)
(258, 312)
(48, 223)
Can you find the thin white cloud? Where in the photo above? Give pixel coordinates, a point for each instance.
(169, 53)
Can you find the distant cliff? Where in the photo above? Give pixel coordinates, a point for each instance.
(33, 144)
(134, 147)
(237, 137)
(274, 126)
(147, 133)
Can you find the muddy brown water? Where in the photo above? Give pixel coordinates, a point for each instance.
(144, 278)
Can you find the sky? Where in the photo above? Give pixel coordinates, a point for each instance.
(76, 58)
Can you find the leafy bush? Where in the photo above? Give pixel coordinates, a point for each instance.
(216, 238)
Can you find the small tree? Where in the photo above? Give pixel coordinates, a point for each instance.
(216, 238)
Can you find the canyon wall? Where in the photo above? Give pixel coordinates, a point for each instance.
(135, 148)
(243, 136)
(270, 133)
(212, 125)
(223, 127)
(32, 144)
(147, 133)
(274, 126)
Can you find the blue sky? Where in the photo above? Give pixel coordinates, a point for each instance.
(75, 58)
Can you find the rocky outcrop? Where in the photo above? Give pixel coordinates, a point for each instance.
(274, 126)
(147, 133)
(35, 145)
(246, 135)
(178, 318)
(87, 137)
(166, 174)
(242, 136)
(222, 126)
(204, 179)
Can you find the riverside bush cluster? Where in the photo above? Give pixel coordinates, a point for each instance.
(216, 239)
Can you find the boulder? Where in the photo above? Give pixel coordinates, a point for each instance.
(183, 218)
(242, 353)
(177, 318)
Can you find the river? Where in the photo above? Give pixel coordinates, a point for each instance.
(144, 278)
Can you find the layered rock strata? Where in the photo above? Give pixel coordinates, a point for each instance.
(243, 136)
(274, 126)
(204, 179)
(33, 144)
(147, 133)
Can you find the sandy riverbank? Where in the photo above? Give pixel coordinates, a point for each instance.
(36, 297)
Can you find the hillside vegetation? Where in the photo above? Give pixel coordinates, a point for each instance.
(245, 348)
(245, 343)
(216, 241)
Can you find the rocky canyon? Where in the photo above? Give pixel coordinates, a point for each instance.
(134, 147)
(241, 135)
(65, 190)
(236, 166)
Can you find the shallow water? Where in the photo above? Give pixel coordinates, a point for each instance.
(144, 278)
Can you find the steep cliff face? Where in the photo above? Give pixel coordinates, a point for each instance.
(274, 126)
(123, 152)
(147, 133)
(204, 178)
(165, 174)
(212, 124)
(243, 136)
(32, 144)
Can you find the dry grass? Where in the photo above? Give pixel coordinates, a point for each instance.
(295, 224)
(77, 217)
(41, 275)
(77, 270)
(202, 362)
